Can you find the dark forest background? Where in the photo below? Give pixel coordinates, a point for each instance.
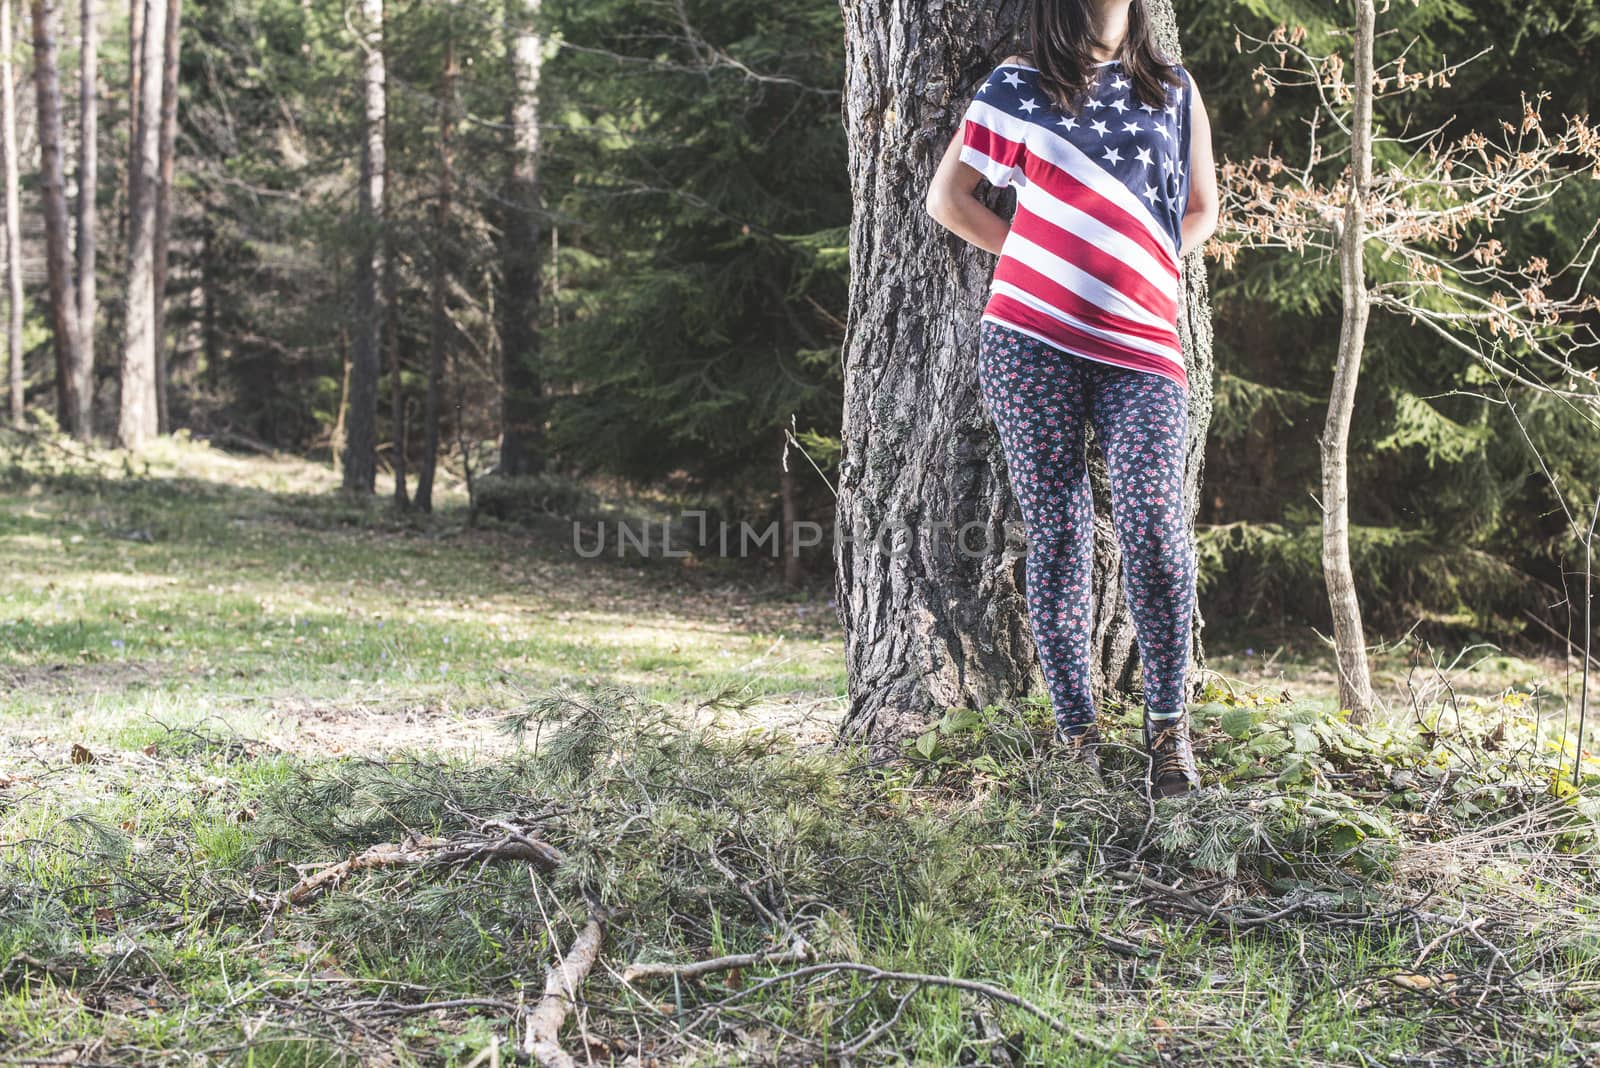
(692, 215)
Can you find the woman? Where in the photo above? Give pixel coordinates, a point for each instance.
(1109, 148)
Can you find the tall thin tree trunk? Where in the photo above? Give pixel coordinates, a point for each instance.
(1350, 650)
(361, 429)
(167, 147)
(135, 44)
(391, 322)
(72, 405)
(522, 402)
(391, 341)
(88, 192)
(439, 329)
(8, 144)
(929, 586)
(136, 420)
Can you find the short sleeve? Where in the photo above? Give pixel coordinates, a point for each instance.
(991, 140)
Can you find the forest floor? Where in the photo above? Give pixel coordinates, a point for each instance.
(218, 677)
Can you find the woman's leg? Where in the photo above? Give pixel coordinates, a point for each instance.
(1141, 420)
(1038, 398)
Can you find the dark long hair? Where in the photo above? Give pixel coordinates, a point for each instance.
(1060, 36)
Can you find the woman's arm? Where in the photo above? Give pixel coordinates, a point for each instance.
(951, 202)
(950, 197)
(1200, 217)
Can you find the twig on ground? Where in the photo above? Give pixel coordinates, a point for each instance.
(800, 951)
(417, 850)
(561, 983)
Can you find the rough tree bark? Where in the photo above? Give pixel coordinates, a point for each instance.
(935, 618)
(8, 143)
(1349, 642)
(361, 430)
(522, 405)
(88, 191)
(439, 327)
(167, 146)
(136, 419)
(72, 405)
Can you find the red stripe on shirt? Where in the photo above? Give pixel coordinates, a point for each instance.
(1067, 337)
(977, 136)
(1053, 293)
(1094, 260)
(1067, 188)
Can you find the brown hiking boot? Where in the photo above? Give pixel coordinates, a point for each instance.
(1083, 746)
(1172, 767)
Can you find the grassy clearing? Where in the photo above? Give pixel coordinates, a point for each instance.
(1381, 897)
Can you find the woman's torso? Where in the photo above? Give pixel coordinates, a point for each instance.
(1091, 262)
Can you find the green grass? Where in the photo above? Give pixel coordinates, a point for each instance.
(252, 669)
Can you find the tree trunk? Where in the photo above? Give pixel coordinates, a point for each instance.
(361, 430)
(522, 402)
(391, 342)
(137, 422)
(391, 315)
(1350, 650)
(439, 329)
(88, 194)
(72, 404)
(135, 43)
(167, 147)
(8, 144)
(929, 550)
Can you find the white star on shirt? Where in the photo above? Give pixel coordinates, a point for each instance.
(1029, 105)
(1014, 78)
(1162, 130)
(984, 87)
(1120, 104)
(1069, 122)
(1147, 107)
(1120, 83)
(1150, 193)
(1113, 155)
(1096, 104)
(1131, 127)
(1099, 127)
(1143, 155)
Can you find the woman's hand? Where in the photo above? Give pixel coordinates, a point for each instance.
(951, 202)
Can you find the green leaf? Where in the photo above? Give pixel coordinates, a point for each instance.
(957, 720)
(1238, 722)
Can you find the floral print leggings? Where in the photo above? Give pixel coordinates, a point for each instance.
(1040, 398)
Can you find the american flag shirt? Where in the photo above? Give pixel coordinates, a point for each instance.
(1091, 263)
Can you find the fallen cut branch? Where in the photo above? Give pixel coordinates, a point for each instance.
(417, 850)
(800, 951)
(561, 983)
